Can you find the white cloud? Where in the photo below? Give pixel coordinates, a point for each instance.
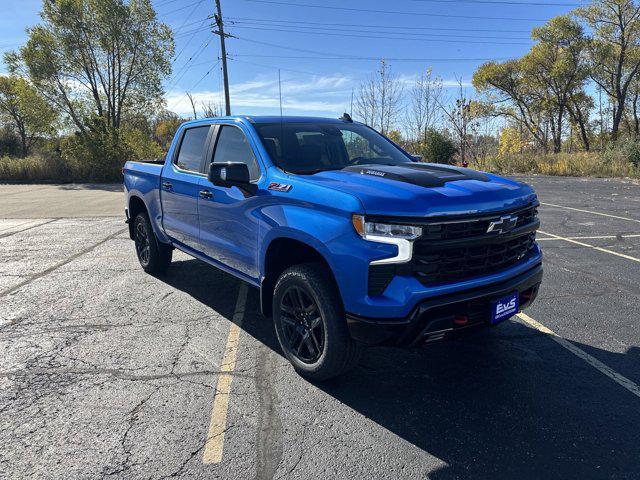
(314, 94)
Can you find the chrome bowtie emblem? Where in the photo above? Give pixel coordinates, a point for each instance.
(504, 225)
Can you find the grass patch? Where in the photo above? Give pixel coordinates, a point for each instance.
(38, 169)
(609, 163)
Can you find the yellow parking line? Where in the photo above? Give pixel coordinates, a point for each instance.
(592, 212)
(578, 352)
(596, 237)
(600, 249)
(215, 437)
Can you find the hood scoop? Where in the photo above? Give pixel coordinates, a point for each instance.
(422, 174)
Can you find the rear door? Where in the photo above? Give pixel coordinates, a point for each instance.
(228, 230)
(179, 185)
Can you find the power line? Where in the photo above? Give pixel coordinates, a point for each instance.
(403, 27)
(302, 72)
(183, 69)
(396, 12)
(423, 37)
(315, 52)
(167, 2)
(505, 2)
(183, 25)
(377, 59)
(189, 16)
(194, 85)
(179, 9)
(185, 46)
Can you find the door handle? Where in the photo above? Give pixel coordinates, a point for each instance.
(167, 185)
(205, 194)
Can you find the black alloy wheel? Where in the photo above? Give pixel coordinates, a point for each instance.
(302, 323)
(143, 245)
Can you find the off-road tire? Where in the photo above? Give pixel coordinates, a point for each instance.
(340, 352)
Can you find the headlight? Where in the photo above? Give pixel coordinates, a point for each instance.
(374, 229)
(401, 236)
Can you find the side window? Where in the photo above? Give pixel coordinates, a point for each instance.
(191, 148)
(233, 146)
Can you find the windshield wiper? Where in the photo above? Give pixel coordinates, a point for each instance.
(314, 171)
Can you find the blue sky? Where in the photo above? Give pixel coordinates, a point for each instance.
(324, 53)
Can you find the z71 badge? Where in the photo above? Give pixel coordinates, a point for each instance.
(279, 187)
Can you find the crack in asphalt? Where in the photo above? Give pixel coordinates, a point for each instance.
(5, 235)
(57, 266)
(269, 439)
(118, 373)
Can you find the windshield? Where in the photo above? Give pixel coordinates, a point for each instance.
(307, 148)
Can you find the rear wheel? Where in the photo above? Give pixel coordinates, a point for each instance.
(154, 256)
(310, 323)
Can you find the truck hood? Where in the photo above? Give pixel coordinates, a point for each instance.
(425, 190)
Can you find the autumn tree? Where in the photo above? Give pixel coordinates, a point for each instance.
(97, 60)
(556, 67)
(25, 111)
(510, 94)
(545, 86)
(614, 50)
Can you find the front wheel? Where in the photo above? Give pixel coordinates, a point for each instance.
(154, 256)
(310, 323)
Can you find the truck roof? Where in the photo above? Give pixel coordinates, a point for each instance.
(275, 119)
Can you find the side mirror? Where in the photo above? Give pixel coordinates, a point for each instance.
(230, 174)
(417, 158)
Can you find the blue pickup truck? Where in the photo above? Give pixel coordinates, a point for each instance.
(351, 240)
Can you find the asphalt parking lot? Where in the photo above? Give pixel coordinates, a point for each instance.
(109, 372)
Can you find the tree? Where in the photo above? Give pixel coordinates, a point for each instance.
(25, 110)
(97, 58)
(460, 117)
(540, 89)
(614, 50)
(166, 126)
(556, 67)
(437, 148)
(378, 100)
(211, 109)
(510, 94)
(424, 99)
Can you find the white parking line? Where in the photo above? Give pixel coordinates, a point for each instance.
(578, 352)
(597, 237)
(600, 249)
(592, 212)
(215, 437)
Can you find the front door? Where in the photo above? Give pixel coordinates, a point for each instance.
(179, 188)
(228, 229)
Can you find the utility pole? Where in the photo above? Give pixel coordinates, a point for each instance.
(223, 51)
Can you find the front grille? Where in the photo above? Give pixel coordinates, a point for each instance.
(472, 227)
(461, 263)
(455, 251)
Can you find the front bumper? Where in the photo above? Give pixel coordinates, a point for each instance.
(443, 316)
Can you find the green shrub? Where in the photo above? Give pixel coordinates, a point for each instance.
(437, 148)
(101, 154)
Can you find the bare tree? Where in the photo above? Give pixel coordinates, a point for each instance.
(193, 106)
(424, 99)
(459, 115)
(211, 109)
(379, 98)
